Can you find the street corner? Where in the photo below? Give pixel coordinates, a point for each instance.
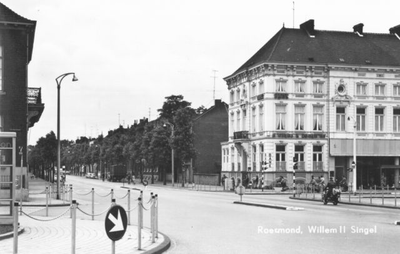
(157, 248)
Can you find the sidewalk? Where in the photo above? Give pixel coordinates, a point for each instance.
(41, 235)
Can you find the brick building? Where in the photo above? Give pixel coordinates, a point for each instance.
(20, 106)
(307, 96)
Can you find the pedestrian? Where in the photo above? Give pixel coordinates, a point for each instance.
(312, 183)
(223, 181)
(256, 182)
(262, 183)
(233, 183)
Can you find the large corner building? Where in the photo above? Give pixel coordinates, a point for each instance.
(307, 96)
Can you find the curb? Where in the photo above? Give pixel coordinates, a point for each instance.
(350, 203)
(162, 247)
(281, 207)
(11, 234)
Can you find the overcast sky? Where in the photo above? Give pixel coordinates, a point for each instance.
(129, 54)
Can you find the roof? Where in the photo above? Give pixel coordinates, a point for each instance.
(7, 15)
(11, 20)
(291, 45)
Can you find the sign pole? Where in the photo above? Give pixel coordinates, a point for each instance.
(140, 223)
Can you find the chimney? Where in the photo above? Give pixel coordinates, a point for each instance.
(358, 29)
(308, 26)
(218, 102)
(395, 30)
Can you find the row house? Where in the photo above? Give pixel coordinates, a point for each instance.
(306, 97)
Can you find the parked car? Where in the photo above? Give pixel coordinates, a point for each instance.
(91, 175)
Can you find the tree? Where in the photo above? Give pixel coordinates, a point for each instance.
(171, 106)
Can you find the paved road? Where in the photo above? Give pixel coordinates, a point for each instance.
(209, 222)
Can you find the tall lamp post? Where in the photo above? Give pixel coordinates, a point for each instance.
(59, 79)
(354, 163)
(172, 148)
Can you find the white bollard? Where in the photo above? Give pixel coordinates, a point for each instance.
(129, 207)
(152, 221)
(92, 203)
(15, 228)
(73, 231)
(139, 223)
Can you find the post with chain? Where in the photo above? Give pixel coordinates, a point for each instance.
(112, 194)
(70, 199)
(47, 201)
(140, 223)
(129, 207)
(152, 216)
(73, 231)
(92, 203)
(15, 227)
(156, 214)
(141, 198)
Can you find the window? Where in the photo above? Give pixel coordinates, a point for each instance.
(254, 158)
(340, 118)
(238, 121)
(261, 118)
(317, 158)
(317, 153)
(253, 119)
(281, 85)
(232, 127)
(299, 86)
(261, 86)
(396, 89)
(280, 117)
(396, 120)
(299, 152)
(379, 89)
(379, 119)
(244, 121)
(318, 86)
(238, 95)
(253, 89)
(299, 118)
(362, 88)
(317, 118)
(233, 158)
(1, 68)
(280, 153)
(360, 119)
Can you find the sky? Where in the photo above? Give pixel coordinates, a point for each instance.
(129, 55)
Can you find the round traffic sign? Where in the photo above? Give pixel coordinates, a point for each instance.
(116, 222)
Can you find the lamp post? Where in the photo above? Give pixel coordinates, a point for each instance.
(172, 149)
(59, 79)
(354, 163)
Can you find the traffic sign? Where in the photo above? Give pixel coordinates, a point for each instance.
(116, 222)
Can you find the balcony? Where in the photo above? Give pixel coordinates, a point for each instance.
(35, 105)
(280, 166)
(318, 166)
(241, 135)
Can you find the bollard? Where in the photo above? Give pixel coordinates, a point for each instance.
(156, 215)
(370, 195)
(395, 197)
(92, 203)
(152, 220)
(359, 196)
(139, 223)
(47, 201)
(15, 227)
(73, 231)
(112, 194)
(113, 203)
(70, 199)
(383, 199)
(129, 207)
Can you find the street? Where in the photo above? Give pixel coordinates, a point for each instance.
(209, 222)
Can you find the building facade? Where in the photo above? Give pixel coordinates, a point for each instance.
(306, 97)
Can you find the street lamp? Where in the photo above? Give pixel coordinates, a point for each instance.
(354, 163)
(172, 149)
(59, 79)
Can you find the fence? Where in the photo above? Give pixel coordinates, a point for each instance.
(366, 196)
(67, 195)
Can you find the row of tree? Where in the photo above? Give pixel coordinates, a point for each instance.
(144, 142)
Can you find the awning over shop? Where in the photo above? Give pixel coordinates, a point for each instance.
(365, 147)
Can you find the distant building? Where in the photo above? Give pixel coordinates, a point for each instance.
(306, 96)
(210, 129)
(20, 106)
